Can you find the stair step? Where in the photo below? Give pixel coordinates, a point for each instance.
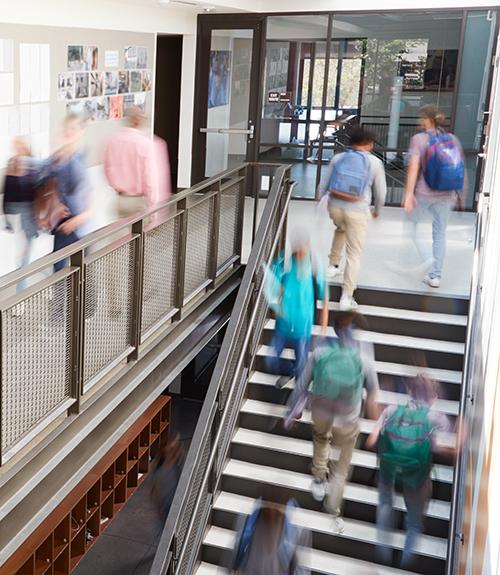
(405, 341)
(405, 314)
(301, 482)
(304, 448)
(320, 522)
(265, 409)
(313, 559)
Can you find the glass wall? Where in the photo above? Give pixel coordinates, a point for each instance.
(376, 70)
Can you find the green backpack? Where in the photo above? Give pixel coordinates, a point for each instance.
(405, 446)
(338, 375)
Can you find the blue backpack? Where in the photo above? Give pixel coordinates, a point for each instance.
(350, 176)
(444, 168)
(288, 542)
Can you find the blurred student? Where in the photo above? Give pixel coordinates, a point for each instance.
(406, 441)
(338, 370)
(71, 201)
(350, 181)
(137, 167)
(268, 543)
(301, 284)
(19, 191)
(435, 181)
(166, 473)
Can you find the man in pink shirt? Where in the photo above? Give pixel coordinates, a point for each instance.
(137, 167)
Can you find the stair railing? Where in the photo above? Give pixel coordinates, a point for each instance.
(181, 540)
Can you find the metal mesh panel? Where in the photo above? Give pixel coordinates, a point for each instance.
(160, 266)
(192, 546)
(198, 245)
(108, 308)
(193, 492)
(36, 359)
(228, 223)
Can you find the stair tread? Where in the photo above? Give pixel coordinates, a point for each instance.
(314, 559)
(393, 340)
(322, 522)
(256, 407)
(299, 481)
(304, 448)
(405, 314)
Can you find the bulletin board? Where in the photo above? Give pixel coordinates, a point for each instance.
(48, 72)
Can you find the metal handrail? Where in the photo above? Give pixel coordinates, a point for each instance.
(65, 300)
(215, 418)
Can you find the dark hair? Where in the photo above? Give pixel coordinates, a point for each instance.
(343, 319)
(434, 114)
(360, 137)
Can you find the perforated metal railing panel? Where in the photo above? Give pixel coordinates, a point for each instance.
(161, 245)
(230, 199)
(198, 245)
(109, 293)
(36, 359)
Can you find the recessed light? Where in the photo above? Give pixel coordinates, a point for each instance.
(163, 2)
(208, 9)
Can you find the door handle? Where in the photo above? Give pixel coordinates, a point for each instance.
(239, 131)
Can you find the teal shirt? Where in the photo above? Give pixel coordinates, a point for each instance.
(297, 305)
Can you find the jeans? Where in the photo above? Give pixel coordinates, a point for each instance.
(282, 366)
(416, 500)
(29, 227)
(61, 241)
(440, 209)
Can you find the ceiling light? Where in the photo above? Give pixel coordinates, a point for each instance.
(163, 2)
(208, 9)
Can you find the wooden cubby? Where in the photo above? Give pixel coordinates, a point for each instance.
(58, 545)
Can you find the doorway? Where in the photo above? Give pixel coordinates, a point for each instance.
(228, 95)
(168, 97)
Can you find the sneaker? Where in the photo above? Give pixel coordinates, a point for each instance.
(338, 524)
(432, 282)
(282, 381)
(347, 303)
(333, 271)
(318, 489)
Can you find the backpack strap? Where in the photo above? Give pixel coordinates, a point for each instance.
(247, 535)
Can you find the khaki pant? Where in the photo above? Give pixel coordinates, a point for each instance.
(343, 438)
(127, 206)
(351, 231)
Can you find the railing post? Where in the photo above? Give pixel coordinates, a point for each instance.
(181, 258)
(77, 329)
(135, 336)
(241, 207)
(214, 248)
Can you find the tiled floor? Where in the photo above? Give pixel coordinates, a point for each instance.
(129, 544)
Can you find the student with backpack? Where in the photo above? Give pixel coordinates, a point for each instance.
(268, 542)
(435, 181)
(406, 441)
(338, 370)
(351, 180)
(300, 283)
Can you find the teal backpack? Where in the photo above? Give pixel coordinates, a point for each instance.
(405, 446)
(338, 375)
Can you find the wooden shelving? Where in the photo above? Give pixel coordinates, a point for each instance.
(59, 544)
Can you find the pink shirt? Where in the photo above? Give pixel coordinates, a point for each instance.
(136, 165)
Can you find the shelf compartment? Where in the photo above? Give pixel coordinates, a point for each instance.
(144, 439)
(108, 481)
(154, 449)
(78, 516)
(44, 556)
(61, 564)
(93, 498)
(77, 549)
(61, 537)
(133, 451)
(156, 424)
(28, 567)
(93, 529)
(120, 467)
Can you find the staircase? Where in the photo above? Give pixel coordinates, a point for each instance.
(399, 325)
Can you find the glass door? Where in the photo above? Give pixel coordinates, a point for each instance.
(227, 96)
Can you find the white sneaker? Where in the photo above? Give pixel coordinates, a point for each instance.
(432, 282)
(338, 524)
(318, 489)
(333, 271)
(347, 303)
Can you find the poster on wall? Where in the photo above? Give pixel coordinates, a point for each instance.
(81, 85)
(110, 83)
(128, 102)
(123, 82)
(96, 84)
(66, 86)
(102, 108)
(90, 57)
(140, 101)
(135, 81)
(130, 57)
(116, 107)
(75, 58)
(76, 107)
(90, 110)
(219, 78)
(142, 57)
(146, 80)
(111, 58)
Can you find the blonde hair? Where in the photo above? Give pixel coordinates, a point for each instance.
(423, 389)
(434, 114)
